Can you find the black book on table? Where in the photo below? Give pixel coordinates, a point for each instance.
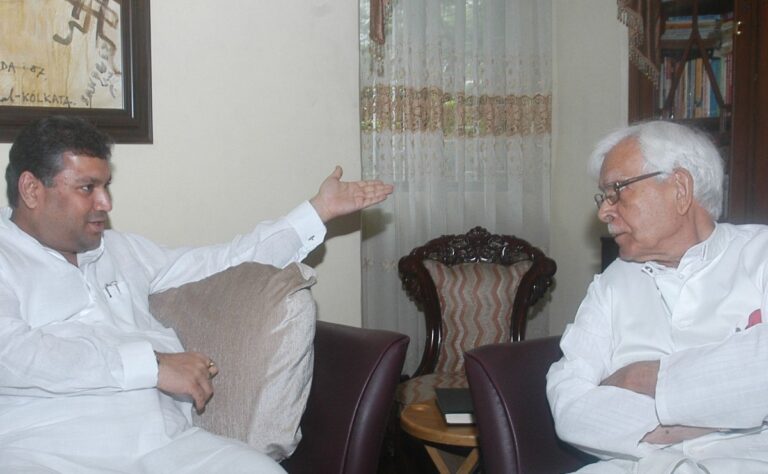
(456, 405)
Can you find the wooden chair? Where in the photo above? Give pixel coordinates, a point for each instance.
(474, 289)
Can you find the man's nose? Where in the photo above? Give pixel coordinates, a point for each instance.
(606, 212)
(103, 201)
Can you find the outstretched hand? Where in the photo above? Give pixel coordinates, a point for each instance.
(337, 198)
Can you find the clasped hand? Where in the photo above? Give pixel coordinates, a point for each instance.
(188, 374)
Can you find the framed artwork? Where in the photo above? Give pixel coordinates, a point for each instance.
(80, 57)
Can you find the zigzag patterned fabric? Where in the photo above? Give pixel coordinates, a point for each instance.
(476, 302)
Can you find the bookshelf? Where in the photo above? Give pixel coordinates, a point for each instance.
(713, 69)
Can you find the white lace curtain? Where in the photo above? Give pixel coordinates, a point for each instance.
(456, 112)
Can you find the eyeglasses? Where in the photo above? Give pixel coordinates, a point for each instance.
(612, 194)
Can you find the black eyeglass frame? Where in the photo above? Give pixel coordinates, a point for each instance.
(616, 187)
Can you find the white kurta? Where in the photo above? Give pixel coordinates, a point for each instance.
(699, 320)
(77, 367)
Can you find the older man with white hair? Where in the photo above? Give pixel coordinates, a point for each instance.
(665, 367)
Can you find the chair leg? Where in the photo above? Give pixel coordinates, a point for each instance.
(401, 453)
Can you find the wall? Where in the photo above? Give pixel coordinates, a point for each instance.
(254, 103)
(590, 99)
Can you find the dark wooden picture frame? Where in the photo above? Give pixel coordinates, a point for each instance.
(132, 123)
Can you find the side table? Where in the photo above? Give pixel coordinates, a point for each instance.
(425, 422)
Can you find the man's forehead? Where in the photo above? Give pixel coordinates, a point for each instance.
(84, 168)
(624, 160)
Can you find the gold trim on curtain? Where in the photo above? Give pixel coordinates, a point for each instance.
(642, 37)
(430, 109)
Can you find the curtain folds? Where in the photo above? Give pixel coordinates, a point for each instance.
(456, 112)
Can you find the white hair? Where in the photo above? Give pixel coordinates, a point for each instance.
(667, 146)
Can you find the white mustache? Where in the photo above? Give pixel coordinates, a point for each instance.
(611, 230)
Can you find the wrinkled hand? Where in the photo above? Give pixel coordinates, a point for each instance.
(337, 198)
(187, 373)
(674, 434)
(640, 377)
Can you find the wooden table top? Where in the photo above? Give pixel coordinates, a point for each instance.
(424, 421)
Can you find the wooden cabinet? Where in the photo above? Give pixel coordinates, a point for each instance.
(713, 63)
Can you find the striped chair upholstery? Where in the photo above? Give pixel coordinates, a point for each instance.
(474, 289)
(476, 300)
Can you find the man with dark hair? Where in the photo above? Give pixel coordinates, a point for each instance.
(664, 368)
(38, 149)
(89, 380)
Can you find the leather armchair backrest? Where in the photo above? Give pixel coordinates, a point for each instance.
(355, 374)
(515, 427)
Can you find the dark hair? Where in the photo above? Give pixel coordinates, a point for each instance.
(38, 148)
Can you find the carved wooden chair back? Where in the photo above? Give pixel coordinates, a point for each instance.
(474, 289)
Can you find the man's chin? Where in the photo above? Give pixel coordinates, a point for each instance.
(626, 253)
(630, 256)
(90, 245)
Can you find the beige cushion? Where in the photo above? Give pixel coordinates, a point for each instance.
(257, 323)
(476, 301)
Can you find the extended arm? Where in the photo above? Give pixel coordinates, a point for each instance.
(278, 243)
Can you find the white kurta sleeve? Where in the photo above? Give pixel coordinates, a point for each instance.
(277, 243)
(68, 358)
(606, 421)
(717, 386)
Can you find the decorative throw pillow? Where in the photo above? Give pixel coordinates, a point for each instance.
(258, 323)
(476, 300)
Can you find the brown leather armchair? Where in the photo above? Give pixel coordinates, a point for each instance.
(516, 432)
(356, 371)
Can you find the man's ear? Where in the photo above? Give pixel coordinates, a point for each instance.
(30, 188)
(683, 190)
